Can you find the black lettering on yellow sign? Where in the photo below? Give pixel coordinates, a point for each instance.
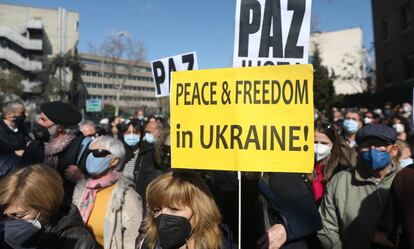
(272, 92)
(256, 92)
(281, 138)
(194, 94)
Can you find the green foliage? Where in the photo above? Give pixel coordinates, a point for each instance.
(323, 89)
(55, 86)
(10, 84)
(108, 110)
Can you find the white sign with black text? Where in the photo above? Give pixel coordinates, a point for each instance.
(162, 68)
(271, 32)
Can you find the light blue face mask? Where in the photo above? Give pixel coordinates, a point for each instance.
(405, 162)
(97, 165)
(149, 138)
(132, 139)
(350, 126)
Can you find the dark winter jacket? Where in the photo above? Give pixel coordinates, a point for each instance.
(10, 141)
(396, 226)
(289, 202)
(65, 231)
(146, 170)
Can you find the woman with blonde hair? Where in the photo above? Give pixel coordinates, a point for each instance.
(182, 214)
(33, 214)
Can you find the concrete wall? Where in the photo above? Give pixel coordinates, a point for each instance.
(15, 16)
(342, 53)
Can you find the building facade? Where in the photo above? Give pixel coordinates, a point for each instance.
(102, 81)
(28, 35)
(342, 52)
(394, 42)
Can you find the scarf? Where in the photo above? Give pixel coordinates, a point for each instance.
(56, 146)
(92, 187)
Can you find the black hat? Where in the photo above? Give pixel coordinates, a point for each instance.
(380, 131)
(61, 113)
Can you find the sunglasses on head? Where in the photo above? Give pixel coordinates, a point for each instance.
(100, 153)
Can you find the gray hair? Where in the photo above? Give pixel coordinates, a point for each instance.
(112, 145)
(11, 106)
(87, 122)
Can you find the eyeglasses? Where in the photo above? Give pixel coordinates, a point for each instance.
(100, 153)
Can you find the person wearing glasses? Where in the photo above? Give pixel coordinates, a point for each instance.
(107, 201)
(355, 198)
(34, 214)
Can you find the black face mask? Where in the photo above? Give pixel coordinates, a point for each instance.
(19, 120)
(41, 133)
(173, 231)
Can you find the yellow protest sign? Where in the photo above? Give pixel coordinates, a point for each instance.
(243, 119)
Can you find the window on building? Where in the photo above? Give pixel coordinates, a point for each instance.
(409, 66)
(385, 27)
(388, 72)
(406, 16)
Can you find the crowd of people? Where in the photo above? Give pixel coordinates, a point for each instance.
(66, 182)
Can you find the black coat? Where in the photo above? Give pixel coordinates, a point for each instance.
(299, 208)
(293, 206)
(396, 226)
(10, 140)
(66, 231)
(70, 157)
(146, 170)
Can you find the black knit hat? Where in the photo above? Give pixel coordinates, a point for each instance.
(61, 113)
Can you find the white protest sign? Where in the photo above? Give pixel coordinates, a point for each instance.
(271, 32)
(162, 68)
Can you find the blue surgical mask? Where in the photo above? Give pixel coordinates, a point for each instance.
(376, 159)
(18, 231)
(132, 139)
(405, 162)
(350, 126)
(97, 165)
(149, 138)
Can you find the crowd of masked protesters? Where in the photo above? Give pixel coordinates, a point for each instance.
(66, 182)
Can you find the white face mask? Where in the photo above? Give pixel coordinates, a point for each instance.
(322, 151)
(405, 162)
(367, 120)
(407, 108)
(399, 128)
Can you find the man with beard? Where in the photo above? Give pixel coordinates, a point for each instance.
(66, 150)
